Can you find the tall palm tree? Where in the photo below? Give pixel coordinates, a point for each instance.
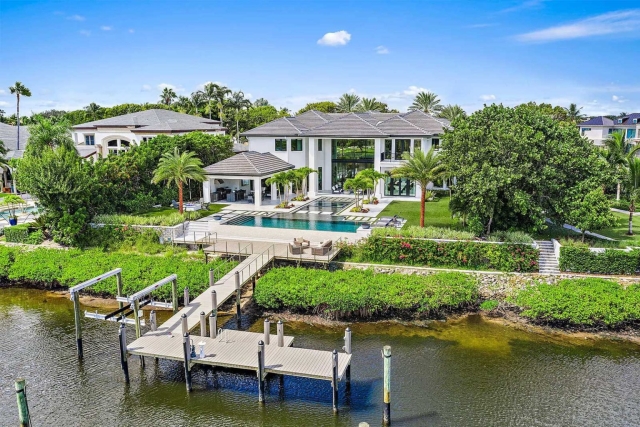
(92, 110)
(633, 183)
(261, 102)
(197, 100)
(427, 102)
(167, 96)
(46, 133)
(183, 104)
(374, 177)
(19, 90)
(452, 112)
(348, 103)
(178, 168)
(370, 104)
(617, 151)
(281, 181)
(574, 114)
(238, 102)
(422, 168)
(215, 93)
(304, 173)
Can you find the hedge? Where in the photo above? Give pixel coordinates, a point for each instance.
(457, 254)
(611, 261)
(65, 268)
(581, 302)
(17, 233)
(363, 293)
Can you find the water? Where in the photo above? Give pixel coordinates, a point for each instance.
(327, 204)
(465, 373)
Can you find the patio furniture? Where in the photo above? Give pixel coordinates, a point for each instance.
(250, 198)
(174, 204)
(231, 197)
(295, 250)
(323, 248)
(336, 189)
(302, 242)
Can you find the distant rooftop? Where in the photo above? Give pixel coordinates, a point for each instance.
(605, 121)
(249, 163)
(370, 124)
(155, 121)
(9, 136)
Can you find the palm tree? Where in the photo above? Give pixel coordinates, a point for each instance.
(574, 114)
(370, 104)
(348, 103)
(452, 112)
(238, 102)
(422, 168)
(183, 104)
(167, 96)
(197, 100)
(357, 183)
(45, 133)
(282, 181)
(374, 177)
(427, 102)
(214, 92)
(19, 89)
(633, 182)
(617, 151)
(178, 168)
(261, 102)
(304, 173)
(92, 110)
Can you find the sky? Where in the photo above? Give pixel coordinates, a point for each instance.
(470, 53)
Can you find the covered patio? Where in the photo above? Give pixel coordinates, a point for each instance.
(243, 177)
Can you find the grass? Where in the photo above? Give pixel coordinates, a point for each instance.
(436, 214)
(619, 230)
(167, 210)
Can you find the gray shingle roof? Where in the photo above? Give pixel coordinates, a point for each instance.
(597, 121)
(605, 121)
(9, 136)
(370, 124)
(249, 163)
(156, 120)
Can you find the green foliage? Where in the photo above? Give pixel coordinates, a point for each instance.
(164, 220)
(423, 233)
(581, 302)
(489, 305)
(621, 204)
(579, 259)
(515, 167)
(510, 237)
(590, 211)
(323, 106)
(363, 293)
(52, 267)
(458, 254)
(17, 233)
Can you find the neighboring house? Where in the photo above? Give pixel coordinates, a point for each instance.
(598, 129)
(339, 145)
(116, 134)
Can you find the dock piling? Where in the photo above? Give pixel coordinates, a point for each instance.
(136, 316)
(187, 360)
(334, 380)
(211, 277)
(186, 296)
(267, 331)
(280, 329)
(238, 294)
(213, 318)
(185, 326)
(124, 363)
(119, 288)
(386, 416)
(347, 349)
(23, 407)
(203, 324)
(261, 372)
(153, 321)
(76, 313)
(174, 295)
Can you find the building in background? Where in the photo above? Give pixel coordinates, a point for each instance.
(598, 129)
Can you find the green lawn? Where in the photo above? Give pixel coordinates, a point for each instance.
(619, 230)
(436, 214)
(167, 210)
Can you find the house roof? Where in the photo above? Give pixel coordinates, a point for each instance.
(370, 124)
(9, 136)
(605, 121)
(249, 163)
(597, 121)
(156, 120)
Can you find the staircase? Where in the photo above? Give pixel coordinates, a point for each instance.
(547, 261)
(194, 231)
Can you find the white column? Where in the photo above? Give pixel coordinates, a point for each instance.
(257, 192)
(379, 149)
(313, 177)
(274, 192)
(206, 190)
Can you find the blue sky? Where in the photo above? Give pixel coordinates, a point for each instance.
(292, 52)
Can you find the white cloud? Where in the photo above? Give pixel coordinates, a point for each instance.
(177, 89)
(248, 95)
(75, 18)
(619, 22)
(381, 50)
(131, 30)
(339, 38)
(4, 104)
(414, 90)
(529, 4)
(85, 33)
(619, 99)
(3, 92)
(106, 28)
(201, 85)
(488, 97)
(145, 88)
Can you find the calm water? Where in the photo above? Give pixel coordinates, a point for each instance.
(298, 222)
(470, 373)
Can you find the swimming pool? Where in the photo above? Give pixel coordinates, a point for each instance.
(327, 204)
(307, 222)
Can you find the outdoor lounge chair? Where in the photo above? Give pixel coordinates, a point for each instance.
(337, 190)
(322, 249)
(295, 250)
(302, 242)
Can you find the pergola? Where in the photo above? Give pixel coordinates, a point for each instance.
(241, 172)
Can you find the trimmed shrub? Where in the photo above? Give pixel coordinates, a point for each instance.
(458, 254)
(579, 259)
(423, 233)
(17, 233)
(363, 293)
(161, 220)
(581, 302)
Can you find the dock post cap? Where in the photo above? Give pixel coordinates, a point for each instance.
(386, 351)
(202, 313)
(280, 321)
(213, 291)
(184, 315)
(348, 329)
(260, 342)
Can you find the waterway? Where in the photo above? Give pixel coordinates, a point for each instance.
(468, 372)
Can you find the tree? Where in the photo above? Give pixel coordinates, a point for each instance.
(590, 211)
(256, 116)
(323, 106)
(238, 102)
(167, 96)
(371, 104)
(452, 112)
(574, 114)
(617, 151)
(215, 94)
(374, 177)
(427, 102)
(281, 181)
(48, 134)
(633, 185)
(303, 174)
(182, 104)
(357, 184)
(92, 110)
(19, 90)
(179, 168)
(422, 168)
(261, 102)
(11, 202)
(197, 100)
(515, 167)
(348, 103)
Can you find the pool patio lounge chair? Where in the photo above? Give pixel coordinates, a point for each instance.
(383, 221)
(336, 189)
(302, 242)
(322, 249)
(295, 250)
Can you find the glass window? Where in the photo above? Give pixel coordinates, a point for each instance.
(352, 149)
(112, 143)
(399, 187)
(584, 130)
(124, 143)
(319, 145)
(402, 146)
(435, 143)
(281, 145)
(388, 144)
(89, 140)
(631, 133)
(320, 177)
(417, 145)
(296, 145)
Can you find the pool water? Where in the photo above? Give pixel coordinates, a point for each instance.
(308, 222)
(327, 204)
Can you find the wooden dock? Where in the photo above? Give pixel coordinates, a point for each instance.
(280, 250)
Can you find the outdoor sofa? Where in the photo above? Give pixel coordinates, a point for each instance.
(323, 248)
